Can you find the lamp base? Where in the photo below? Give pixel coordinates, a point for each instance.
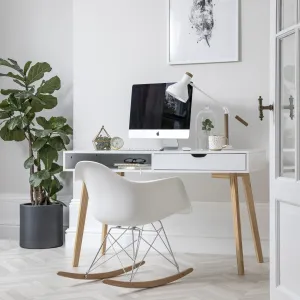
(228, 147)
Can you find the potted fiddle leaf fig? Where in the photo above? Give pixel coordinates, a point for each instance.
(41, 220)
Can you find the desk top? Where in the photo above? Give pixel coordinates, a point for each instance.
(246, 151)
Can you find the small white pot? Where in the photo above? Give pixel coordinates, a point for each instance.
(216, 142)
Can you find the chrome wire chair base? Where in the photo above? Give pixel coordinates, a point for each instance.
(136, 239)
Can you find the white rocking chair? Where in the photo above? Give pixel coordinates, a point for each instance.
(130, 205)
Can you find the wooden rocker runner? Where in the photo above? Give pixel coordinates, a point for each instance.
(132, 205)
(148, 284)
(100, 276)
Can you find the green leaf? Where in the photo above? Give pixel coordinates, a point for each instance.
(14, 122)
(10, 91)
(36, 178)
(30, 116)
(12, 75)
(4, 105)
(13, 61)
(49, 100)
(29, 162)
(48, 154)
(19, 83)
(38, 99)
(24, 122)
(17, 135)
(43, 133)
(37, 72)
(24, 95)
(36, 106)
(27, 66)
(39, 143)
(43, 122)
(5, 134)
(55, 169)
(57, 143)
(55, 187)
(50, 86)
(46, 184)
(5, 114)
(64, 137)
(14, 65)
(27, 110)
(67, 130)
(14, 102)
(57, 122)
(5, 63)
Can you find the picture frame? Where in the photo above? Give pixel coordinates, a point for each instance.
(188, 44)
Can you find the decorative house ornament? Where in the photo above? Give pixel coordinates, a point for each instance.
(203, 31)
(102, 141)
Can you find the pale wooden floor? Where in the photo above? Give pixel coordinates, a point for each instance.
(31, 274)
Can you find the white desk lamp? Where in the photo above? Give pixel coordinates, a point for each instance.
(179, 91)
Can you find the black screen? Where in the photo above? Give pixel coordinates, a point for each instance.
(153, 108)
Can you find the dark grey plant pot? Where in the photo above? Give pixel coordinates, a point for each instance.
(41, 227)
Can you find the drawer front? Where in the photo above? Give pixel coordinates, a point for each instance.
(209, 162)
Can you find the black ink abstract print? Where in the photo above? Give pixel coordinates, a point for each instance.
(203, 31)
(202, 19)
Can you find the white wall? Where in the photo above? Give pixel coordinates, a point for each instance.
(120, 43)
(37, 30)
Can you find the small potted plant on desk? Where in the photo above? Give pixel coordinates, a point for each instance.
(41, 220)
(207, 126)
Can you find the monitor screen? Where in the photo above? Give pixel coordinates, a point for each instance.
(153, 109)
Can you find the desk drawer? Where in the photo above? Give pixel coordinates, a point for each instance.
(202, 162)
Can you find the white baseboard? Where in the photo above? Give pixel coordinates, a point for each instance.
(208, 229)
(10, 214)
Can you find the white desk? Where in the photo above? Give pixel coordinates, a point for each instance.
(227, 164)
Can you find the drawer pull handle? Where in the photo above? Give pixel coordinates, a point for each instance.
(199, 155)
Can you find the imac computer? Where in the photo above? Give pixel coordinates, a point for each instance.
(157, 115)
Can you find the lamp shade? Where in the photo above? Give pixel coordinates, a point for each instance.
(179, 90)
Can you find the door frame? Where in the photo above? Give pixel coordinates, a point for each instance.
(274, 140)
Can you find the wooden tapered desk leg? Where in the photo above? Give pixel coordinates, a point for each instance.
(237, 222)
(80, 225)
(104, 230)
(103, 238)
(252, 217)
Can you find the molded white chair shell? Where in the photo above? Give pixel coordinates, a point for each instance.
(115, 200)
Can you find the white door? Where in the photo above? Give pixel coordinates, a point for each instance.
(284, 144)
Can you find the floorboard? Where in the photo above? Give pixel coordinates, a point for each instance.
(31, 275)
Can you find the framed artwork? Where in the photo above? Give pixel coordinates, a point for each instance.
(203, 31)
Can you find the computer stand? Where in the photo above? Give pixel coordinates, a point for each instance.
(169, 144)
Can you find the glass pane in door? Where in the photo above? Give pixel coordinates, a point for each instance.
(288, 13)
(286, 97)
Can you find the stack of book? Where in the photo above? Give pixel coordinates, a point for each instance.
(132, 166)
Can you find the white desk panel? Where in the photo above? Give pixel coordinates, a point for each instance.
(226, 161)
(229, 162)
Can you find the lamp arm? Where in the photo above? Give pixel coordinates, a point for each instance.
(225, 109)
